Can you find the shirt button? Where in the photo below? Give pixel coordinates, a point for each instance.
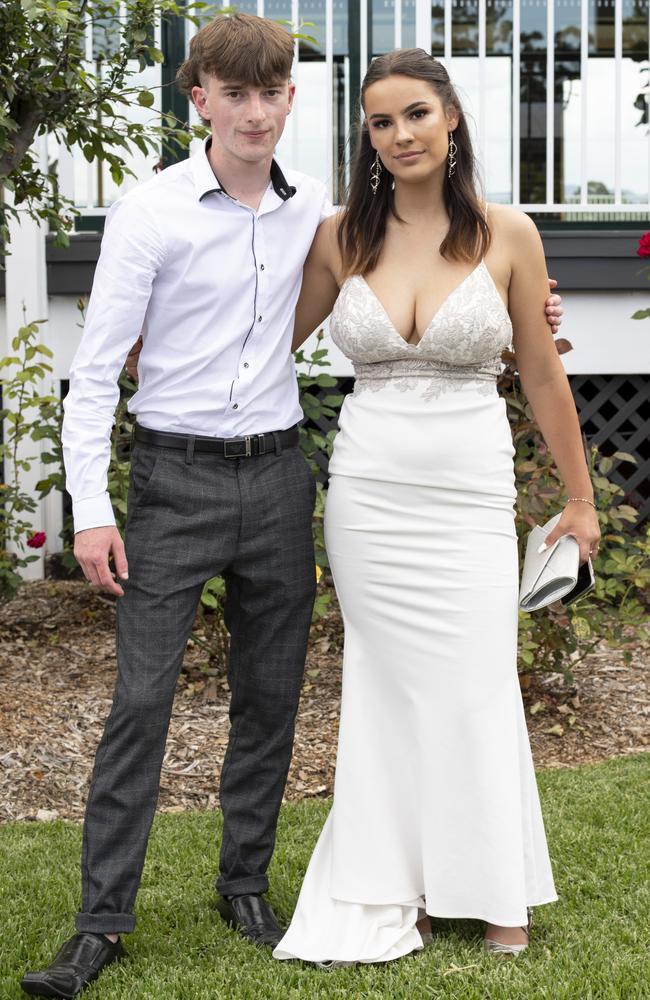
(246, 365)
(259, 319)
(235, 406)
(261, 267)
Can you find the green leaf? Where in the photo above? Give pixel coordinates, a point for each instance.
(641, 314)
(117, 173)
(146, 99)
(141, 144)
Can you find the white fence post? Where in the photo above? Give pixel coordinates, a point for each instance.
(26, 300)
(423, 25)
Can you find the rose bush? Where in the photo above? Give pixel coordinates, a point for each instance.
(27, 414)
(643, 250)
(644, 245)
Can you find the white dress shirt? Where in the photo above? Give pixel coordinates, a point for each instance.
(212, 286)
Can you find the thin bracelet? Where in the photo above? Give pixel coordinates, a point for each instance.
(582, 500)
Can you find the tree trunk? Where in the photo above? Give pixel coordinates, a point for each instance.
(28, 126)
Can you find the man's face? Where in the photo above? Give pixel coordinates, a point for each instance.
(246, 121)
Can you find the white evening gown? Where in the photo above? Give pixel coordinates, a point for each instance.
(435, 799)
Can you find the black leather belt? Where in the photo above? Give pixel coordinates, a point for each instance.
(240, 447)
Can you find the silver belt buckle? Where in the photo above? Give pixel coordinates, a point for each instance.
(243, 447)
(233, 448)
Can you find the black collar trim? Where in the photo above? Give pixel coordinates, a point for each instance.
(283, 189)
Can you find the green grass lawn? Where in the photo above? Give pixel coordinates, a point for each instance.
(592, 945)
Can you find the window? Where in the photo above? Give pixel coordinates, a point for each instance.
(556, 94)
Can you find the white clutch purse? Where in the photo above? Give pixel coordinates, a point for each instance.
(554, 574)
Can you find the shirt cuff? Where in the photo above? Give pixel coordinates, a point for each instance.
(93, 512)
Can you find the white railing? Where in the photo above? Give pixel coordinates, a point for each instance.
(585, 204)
(478, 78)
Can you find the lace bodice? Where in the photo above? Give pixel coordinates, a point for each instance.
(462, 343)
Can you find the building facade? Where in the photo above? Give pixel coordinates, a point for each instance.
(557, 95)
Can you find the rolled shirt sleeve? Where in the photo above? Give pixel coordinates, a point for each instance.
(131, 255)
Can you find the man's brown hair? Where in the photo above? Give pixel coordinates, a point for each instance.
(239, 48)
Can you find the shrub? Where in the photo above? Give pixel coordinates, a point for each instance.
(553, 639)
(28, 419)
(557, 638)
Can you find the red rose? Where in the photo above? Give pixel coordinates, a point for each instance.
(37, 541)
(644, 246)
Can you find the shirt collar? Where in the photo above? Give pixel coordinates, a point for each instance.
(207, 182)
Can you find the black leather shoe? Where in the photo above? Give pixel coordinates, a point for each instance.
(77, 963)
(253, 917)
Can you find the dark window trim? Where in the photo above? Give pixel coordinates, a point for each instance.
(172, 101)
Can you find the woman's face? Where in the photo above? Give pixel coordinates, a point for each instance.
(408, 127)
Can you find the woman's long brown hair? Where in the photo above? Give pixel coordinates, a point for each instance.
(363, 226)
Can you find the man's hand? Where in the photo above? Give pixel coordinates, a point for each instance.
(92, 549)
(554, 308)
(131, 363)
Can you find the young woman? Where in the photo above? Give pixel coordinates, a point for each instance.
(435, 807)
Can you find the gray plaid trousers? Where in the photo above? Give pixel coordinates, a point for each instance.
(248, 519)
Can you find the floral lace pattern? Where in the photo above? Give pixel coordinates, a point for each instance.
(461, 345)
(418, 373)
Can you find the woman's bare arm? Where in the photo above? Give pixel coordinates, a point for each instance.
(543, 377)
(320, 288)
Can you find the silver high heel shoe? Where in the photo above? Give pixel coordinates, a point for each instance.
(498, 948)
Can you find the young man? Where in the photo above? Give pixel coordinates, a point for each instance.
(206, 260)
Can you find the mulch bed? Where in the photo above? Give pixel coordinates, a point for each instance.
(57, 673)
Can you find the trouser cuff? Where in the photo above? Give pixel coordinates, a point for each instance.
(256, 884)
(105, 923)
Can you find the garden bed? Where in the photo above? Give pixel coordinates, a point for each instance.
(57, 674)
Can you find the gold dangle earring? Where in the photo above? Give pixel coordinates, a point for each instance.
(451, 156)
(375, 174)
